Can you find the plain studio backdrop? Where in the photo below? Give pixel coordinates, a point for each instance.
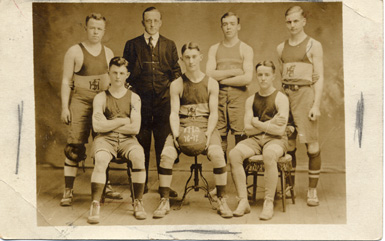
(58, 26)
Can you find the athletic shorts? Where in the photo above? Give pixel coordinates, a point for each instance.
(301, 102)
(214, 140)
(231, 110)
(81, 116)
(119, 145)
(258, 142)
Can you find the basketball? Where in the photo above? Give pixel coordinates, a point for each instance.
(192, 141)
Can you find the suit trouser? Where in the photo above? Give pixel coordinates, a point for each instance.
(155, 119)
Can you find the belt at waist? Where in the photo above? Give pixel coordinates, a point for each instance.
(293, 87)
(95, 83)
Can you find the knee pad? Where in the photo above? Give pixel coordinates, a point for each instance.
(215, 154)
(168, 156)
(136, 156)
(75, 152)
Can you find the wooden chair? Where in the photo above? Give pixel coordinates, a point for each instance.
(255, 167)
(129, 168)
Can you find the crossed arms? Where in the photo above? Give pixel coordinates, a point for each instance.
(127, 125)
(275, 126)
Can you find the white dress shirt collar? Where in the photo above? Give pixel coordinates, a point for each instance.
(155, 38)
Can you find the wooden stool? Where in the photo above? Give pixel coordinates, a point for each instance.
(129, 167)
(196, 170)
(256, 167)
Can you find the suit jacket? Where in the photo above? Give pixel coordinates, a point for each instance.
(168, 61)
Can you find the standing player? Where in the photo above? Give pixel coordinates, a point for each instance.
(265, 123)
(116, 119)
(301, 58)
(153, 65)
(230, 62)
(194, 100)
(85, 72)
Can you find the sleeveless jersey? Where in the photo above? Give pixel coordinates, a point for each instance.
(93, 75)
(194, 103)
(117, 107)
(297, 68)
(229, 57)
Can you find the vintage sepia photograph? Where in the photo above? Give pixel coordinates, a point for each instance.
(203, 120)
(247, 98)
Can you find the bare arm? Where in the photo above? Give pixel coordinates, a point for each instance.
(133, 127)
(279, 52)
(211, 67)
(247, 75)
(271, 126)
(99, 120)
(175, 90)
(68, 71)
(213, 89)
(250, 130)
(317, 54)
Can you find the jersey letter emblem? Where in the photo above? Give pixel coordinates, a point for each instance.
(290, 71)
(94, 85)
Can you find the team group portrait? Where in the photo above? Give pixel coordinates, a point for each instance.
(189, 113)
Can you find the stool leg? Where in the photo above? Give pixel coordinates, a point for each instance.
(283, 189)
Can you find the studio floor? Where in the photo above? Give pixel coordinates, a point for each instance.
(196, 208)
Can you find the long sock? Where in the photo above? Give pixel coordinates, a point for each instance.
(164, 192)
(221, 190)
(314, 168)
(70, 170)
(69, 182)
(97, 191)
(293, 164)
(138, 190)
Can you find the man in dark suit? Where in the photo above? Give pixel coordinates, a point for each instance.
(153, 63)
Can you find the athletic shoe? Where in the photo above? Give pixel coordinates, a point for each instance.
(111, 194)
(94, 213)
(267, 211)
(139, 212)
(243, 208)
(163, 209)
(312, 199)
(67, 197)
(223, 208)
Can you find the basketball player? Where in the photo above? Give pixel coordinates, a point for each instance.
(266, 117)
(230, 62)
(85, 72)
(194, 100)
(301, 59)
(116, 119)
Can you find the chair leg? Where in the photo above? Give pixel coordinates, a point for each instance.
(291, 186)
(105, 185)
(255, 182)
(130, 181)
(283, 189)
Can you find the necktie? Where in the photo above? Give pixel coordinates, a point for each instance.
(150, 43)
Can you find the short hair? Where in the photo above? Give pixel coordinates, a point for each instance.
(266, 63)
(190, 45)
(229, 14)
(295, 9)
(96, 16)
(118, 61)
(149, 9)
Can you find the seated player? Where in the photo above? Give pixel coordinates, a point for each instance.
(265, 124)
(116, 118)
(194, 101)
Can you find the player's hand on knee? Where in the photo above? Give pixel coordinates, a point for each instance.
(176, 144)
(208, 137)
(314, 113)
(66, 116)
(278, 120)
